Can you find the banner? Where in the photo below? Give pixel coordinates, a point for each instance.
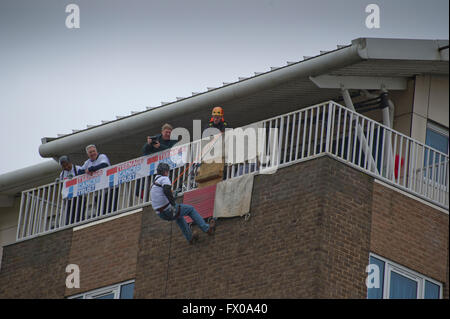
(124, 172)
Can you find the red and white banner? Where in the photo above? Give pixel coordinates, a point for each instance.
(124, 172)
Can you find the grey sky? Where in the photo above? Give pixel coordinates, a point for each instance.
(131, 54)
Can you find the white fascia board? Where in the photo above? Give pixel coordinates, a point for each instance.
(28, 177)
(400, 49)
(444, 54)
(123, 127)
(359, 82)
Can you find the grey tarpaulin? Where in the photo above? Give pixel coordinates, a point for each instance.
(233, 196)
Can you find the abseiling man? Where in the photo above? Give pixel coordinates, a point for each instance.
(95, 162)
(166, 208)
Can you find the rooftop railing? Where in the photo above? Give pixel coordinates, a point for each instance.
(326, 128)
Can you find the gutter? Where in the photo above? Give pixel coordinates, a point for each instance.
(29, 177)
(126, 126)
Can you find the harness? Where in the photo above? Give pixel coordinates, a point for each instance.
(173, 211)
(154, 182)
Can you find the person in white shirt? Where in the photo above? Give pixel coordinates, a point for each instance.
(69, 170)
(163, 202)
(95, 162)
(75, 207)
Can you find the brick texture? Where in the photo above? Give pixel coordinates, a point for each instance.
(36, 268)
(106, 253)
(344, 226)
(410, 233)
(309, 235)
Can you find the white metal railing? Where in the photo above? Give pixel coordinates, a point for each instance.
(326, 128)
(43, 209)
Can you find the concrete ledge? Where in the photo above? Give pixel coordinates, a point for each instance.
(105, 220)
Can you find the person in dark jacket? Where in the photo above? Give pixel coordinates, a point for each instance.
(217, 120)
(159, 142)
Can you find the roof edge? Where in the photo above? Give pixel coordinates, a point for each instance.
(104, 133)
(28, 177)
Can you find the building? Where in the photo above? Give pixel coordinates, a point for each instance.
(351, 186)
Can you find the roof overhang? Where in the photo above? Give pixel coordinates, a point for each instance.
(28, 177)
(290, 82)
(255, 98)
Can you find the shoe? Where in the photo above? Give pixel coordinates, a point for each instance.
(212, 226)
(194, 237)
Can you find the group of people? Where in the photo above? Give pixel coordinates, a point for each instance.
(94, 162)
(163, 142)
(163, 200)
(75, 207)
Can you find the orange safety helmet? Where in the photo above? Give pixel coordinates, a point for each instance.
(217, 111)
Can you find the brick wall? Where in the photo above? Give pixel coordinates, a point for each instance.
(410, 233)
(36, 268)
(311, 229)
(302, 241)
(106, 253)
(345, 231)
(153, 255)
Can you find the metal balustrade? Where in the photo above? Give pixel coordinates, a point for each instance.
(326, 128)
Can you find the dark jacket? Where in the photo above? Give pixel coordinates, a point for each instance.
(221, 126)
(148, 149)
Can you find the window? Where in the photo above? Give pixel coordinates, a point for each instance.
(437, 137)
(120, 291)
(431, 290)
(398, 282)
(402, 286)
(377, 293)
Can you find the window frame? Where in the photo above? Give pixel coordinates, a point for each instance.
(437, 128)
(103, 291)
(390, 266)
(430, 179)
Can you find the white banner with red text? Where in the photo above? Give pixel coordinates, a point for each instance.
(123, 172)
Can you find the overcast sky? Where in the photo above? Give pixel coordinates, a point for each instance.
(129, 54)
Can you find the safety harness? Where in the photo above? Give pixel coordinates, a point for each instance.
(173, 211)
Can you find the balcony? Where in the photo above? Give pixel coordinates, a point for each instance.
(324, 129)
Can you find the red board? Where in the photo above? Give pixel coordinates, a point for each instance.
(202, 200)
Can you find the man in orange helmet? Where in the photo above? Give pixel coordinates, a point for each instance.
(217, 121)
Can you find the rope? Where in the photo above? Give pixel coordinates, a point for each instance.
(201, 155)
(168, 259)
(171, 224)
